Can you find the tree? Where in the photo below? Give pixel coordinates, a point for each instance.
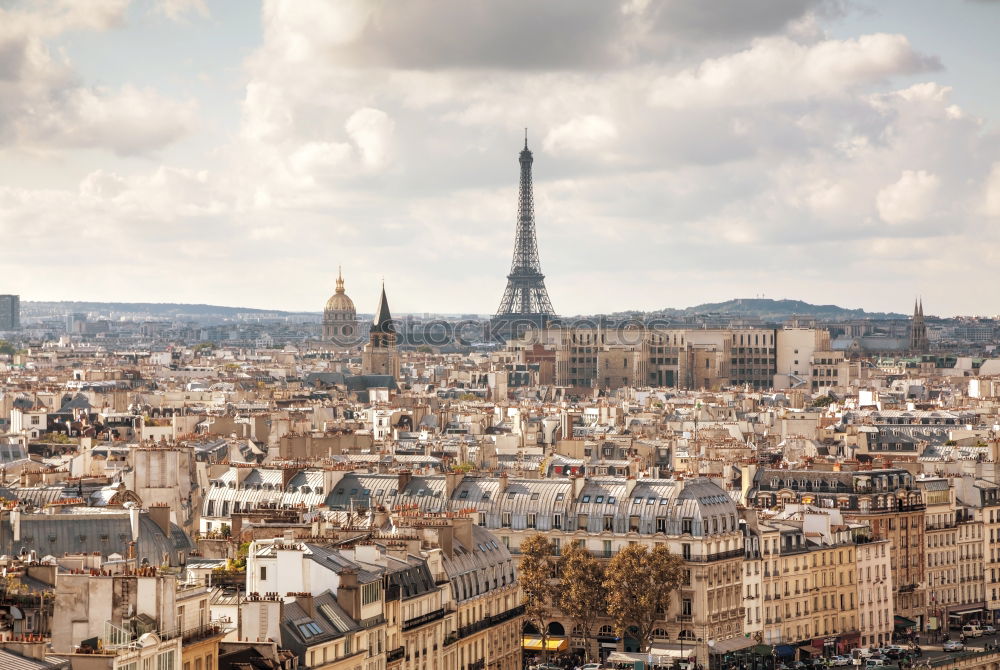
(533, 574)
(639, 583)
(582, 595)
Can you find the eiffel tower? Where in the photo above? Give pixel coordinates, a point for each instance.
(525, 302)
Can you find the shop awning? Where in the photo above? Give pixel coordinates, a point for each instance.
(534, 643)
(903, 622)
(977, 610)
(785, 650)
(731, 645)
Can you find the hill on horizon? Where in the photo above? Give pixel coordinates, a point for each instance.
(765, 308)
(153, 308)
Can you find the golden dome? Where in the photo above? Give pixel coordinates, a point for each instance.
(339, 302)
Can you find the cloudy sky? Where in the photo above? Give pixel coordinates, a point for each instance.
(236, 153)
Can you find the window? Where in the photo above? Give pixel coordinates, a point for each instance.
(609, 523)
(585, 499)
(686, 525)
(560, 497)
(482, 518)
(637, 500)
(599, 500)
(165, 661)
(534, 496)
(686, 606)
(611, 500)
(650, 501)
(505, 519)
(263, 573)
(531, 521)
(557, 520)
(464, 494)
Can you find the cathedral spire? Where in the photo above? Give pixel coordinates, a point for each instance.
(382, 323)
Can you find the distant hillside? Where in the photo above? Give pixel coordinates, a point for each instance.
(149, 308)
(766, 308)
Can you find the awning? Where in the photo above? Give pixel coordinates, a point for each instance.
(656, 655)
(977, 610)
(534, 643)
(784, 650)
(672, 650)
(903, 622)
(731, 645)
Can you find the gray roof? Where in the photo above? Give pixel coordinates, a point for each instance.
(90, 530)
(12, 661)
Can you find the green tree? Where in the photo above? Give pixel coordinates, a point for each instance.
(533, 574)
(581, 595)
(6, 348)
(639, 583)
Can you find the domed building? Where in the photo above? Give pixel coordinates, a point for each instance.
(340, 320)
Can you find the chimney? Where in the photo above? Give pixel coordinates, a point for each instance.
(629, 487)
(404, 480)
(160, 514)
(503, 481)
(15, 523)
(305, 601)
(348, 593)
(133, 521)
(446, 537)
(463, 531)
(451, 482)
(578, 483)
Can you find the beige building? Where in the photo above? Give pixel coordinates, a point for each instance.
(875, 602)
(809, 588)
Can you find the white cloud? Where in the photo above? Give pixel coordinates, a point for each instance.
(45, 106)
(178, 10)
(371, 130)
(910, 199)
(779, 69)
(588, 133)
(991, 203)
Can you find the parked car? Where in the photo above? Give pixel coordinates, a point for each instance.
(989, 630)
(971, 630)
(841, 660)
(875, 663)
(953, 645)
(590, 666)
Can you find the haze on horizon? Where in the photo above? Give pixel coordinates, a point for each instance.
(235, 153)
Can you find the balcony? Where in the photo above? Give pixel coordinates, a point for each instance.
(423, 619)
(719, 556)
(489, 621)
(395, 655)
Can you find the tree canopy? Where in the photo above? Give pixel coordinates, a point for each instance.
(639, 584)
(533, 573)
(581, 595)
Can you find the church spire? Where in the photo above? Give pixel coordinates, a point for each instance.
(382, 323)
(340, 280)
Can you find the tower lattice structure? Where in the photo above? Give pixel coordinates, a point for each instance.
(525, 302)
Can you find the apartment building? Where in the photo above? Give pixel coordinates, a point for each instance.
(886, 500)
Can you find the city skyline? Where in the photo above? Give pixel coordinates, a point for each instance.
(835, 154)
